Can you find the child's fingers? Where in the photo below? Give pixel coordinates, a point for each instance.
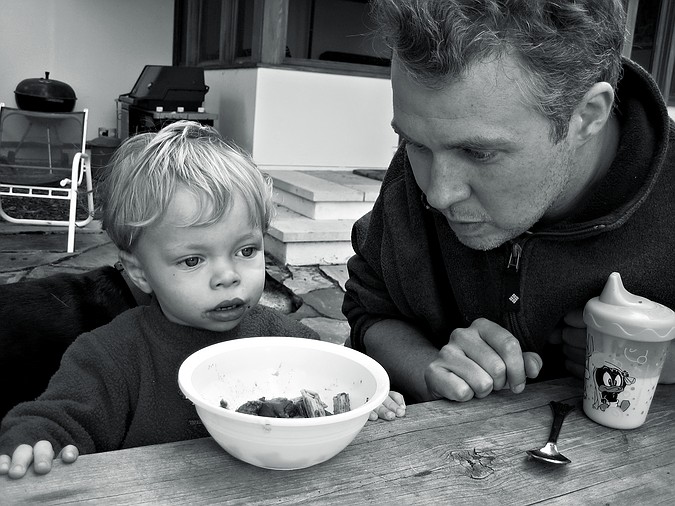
(5, 461)
(397, 398)
(43, 455)
(385, 413)
(394, 404)
(21, 459)
(69, 454)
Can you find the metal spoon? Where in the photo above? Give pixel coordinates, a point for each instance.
(550, 453)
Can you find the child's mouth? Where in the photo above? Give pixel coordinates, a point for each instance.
(228, 310)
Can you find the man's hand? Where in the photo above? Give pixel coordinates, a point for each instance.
(479, 359)
(41, 456)
(572, 334)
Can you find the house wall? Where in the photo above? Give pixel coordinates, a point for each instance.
(232, 95)
(295, 119)
(98, 47)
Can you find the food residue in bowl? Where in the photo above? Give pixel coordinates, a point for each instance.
(308, 405)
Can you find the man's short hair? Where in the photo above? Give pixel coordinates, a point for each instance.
(564, 47)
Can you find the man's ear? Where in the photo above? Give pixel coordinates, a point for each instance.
(593, 112)
(134, 270)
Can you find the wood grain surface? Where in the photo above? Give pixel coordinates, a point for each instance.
(440, 453)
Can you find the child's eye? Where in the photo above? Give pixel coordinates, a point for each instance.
(191, 261)
(248, 251)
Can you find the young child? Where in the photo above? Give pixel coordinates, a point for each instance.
(188, 212)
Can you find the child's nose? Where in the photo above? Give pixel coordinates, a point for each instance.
(225, 276)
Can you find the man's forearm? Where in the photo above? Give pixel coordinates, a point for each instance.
(405, 353)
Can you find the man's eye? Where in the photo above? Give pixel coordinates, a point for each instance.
(248, 251)
(479, 155)
(415, 146)
(191, 261)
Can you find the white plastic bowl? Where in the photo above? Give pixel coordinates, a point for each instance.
(246, 369)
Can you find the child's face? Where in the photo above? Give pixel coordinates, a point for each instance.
(205, 276)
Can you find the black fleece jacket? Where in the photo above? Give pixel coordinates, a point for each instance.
(410, 266)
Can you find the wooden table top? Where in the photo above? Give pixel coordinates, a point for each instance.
(440, 453)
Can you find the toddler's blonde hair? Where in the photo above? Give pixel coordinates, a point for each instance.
(147, 168)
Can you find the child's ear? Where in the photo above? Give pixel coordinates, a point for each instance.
(134, 269)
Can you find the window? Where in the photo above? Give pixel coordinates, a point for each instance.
(333, 30)
(213, 33)
(331, 35)
(335, 35)
(653, 43)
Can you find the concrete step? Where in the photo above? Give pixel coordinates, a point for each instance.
(325, 195)
(315, 214)
(294, 239)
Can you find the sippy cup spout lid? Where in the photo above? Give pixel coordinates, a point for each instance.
(616, 294)
(618, 312)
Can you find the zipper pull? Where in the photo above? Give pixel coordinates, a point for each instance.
(512, 279)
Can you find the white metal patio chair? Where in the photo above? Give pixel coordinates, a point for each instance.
(42, 155)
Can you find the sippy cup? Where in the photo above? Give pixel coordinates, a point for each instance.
(626, 345)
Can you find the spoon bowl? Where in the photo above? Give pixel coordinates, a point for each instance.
(549, 452)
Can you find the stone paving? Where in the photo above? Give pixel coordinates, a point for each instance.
(30, 252)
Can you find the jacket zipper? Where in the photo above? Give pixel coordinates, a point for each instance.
(512, 278)
(512, 294)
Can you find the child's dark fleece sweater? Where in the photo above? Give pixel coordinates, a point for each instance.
(117, 386)
(410, 266)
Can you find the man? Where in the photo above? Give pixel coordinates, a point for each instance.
(534, 162)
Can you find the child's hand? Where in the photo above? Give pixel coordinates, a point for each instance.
(41, 456)
(392, 407)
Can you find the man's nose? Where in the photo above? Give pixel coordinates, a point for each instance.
(447, 185)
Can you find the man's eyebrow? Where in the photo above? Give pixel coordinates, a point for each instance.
(474, 141)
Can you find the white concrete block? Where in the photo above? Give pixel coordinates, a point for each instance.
(309, 253)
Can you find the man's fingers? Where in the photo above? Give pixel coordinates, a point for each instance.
(533, 364)
(574, 354)
(445, 384)
(21, 460)
(472, 356)
(508, 349)
(43, 456)
(575, 318)
(576, 370)
(465, 376)
(574, 337)
(556, 336)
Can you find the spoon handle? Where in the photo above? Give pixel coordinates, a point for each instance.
(560, 411)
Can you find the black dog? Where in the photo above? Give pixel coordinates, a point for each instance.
(40, 318)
